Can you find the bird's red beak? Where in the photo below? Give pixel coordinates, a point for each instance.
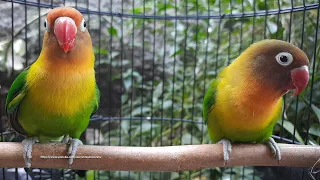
(300, 79)
(65, 30)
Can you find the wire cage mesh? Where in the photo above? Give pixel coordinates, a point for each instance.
(154, 62)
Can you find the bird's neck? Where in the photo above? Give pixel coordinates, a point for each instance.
(252, 92)
(258, 96)
(62, 62)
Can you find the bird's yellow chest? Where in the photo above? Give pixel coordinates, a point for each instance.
(239, 106)
(64, 92)
(232, 116)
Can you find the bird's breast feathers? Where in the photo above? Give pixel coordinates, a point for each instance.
(60, 92)
(243, 117)
(239, 106)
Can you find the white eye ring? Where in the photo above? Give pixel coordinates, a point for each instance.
(284, 58)
(46, 25)
(83, 25)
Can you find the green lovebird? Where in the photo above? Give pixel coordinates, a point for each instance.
(244, 102)
(57, 94)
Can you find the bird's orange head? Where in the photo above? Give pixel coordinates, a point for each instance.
(67, 27)
(66, 41)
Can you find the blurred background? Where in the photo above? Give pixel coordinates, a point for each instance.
(154, 61)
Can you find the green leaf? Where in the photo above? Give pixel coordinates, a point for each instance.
(174, 176)
(211, 2)
(146, 126)
(90, 175)
(125, 126)
(138, 111)
(127, 83)
(186, 139)
(112, 31)
(138, 10)
(316, 110)
(163, 7)
(158, 91)
(287, 125)
(273, 28)
(167, 104)
(315, 130)
(101, 51)
(278, 34)
(180, 51)
(262, 5)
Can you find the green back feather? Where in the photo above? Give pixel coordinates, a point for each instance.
(97, 101)
(209, 99)
(15, 95)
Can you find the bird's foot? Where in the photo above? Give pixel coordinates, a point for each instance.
(65, 139)
(27, 153)
(227, 148)
(74, 143)
(274, 148)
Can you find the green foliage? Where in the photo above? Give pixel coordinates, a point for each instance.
(316, 111)
(287, 125)
(112, 31)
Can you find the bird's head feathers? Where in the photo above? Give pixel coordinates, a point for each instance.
(278, 65)
(66, 35)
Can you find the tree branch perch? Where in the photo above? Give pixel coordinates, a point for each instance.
(169, 158)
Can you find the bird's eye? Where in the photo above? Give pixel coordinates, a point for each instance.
(46, 25)
(284, 58)
(83, 25)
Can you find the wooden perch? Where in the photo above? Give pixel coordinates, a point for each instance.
(169, 158)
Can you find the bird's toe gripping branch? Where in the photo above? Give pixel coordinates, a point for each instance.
(74, 143)
(274, 148)
(27, 146)
(227, 148)
(65, 139)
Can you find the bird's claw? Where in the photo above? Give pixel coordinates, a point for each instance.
(274, 148)
(27, 153)
(227, 148)
(65, 139)
(74, 143)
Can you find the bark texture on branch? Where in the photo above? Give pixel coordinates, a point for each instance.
(169, 158)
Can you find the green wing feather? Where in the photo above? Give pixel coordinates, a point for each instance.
(15, 95)
(97, 101)
(209, 99)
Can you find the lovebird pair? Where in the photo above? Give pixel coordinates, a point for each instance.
(57, 94)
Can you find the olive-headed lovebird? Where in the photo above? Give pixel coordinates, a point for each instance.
(57, 94)
(245, 101)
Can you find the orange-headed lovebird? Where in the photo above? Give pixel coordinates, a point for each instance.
(245, 100)
(57, 94)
